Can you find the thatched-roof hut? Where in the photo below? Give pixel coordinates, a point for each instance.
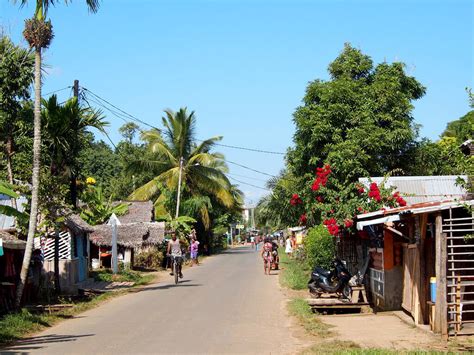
(138, 211)
(136, 232)
(131, 235)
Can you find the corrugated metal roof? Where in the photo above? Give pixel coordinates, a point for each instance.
(418, 208)
(7, 222)
(420, 189)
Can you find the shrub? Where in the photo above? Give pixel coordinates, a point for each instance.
(319, 247)
(151, 259)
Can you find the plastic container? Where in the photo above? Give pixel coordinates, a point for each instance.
(95, 264)
(433, 289)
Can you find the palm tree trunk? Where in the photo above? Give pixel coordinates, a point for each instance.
(35, 181)
(9, 154)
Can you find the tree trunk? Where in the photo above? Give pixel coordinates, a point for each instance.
(9, 154)
(35, 181)
(73, 190)
(57, 285)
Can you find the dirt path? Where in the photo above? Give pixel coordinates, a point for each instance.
(383, 330)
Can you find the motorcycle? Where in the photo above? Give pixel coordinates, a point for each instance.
(335, 281)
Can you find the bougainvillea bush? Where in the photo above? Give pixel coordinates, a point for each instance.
(337, 205)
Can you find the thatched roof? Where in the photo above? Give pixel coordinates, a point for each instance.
(77, 224)
(138, 211)
(10, 241)
(131, 235)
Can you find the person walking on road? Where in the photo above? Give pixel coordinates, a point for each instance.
(193, 248)
(288, 247)
(267, 256)
(257, 241)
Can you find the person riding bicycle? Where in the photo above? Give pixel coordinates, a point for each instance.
(174, 250)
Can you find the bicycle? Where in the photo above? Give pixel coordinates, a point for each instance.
(176, 261)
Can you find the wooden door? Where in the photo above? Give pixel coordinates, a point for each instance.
(411, 276)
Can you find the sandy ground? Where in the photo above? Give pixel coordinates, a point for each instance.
(227, 305)
(382, 330)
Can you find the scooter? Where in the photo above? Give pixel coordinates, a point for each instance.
(331, 281)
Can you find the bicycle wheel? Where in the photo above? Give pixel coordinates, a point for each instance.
(175, 271)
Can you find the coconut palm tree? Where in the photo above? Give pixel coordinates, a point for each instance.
(38, 33)
(203, 173)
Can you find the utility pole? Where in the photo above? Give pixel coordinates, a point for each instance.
(181, 161)
(75, 88)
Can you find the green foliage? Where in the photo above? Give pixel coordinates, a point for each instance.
(97, 208)
(151, 259)
(319, 247)
(16, 77)
(461, 129)
(294, 273)
(274, 210)
(181, 225)
(204, 183)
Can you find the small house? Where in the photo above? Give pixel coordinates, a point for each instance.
(421, 255)
(136, 233)
(73, 250)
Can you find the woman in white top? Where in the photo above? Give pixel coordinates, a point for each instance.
(288, 248)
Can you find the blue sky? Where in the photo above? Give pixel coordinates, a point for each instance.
(243, 66)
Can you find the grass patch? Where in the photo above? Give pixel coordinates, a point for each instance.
(294, 273)
(123, 276)
(299, 308)
(16, 326)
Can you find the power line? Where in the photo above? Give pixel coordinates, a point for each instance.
(246, 183)
(55, 91)
(120, 110)
(248, 149)
(149, 125)
(248, 168)
(247, 177)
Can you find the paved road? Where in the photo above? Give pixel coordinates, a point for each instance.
(227, 305)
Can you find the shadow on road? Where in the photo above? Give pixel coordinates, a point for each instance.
(183, 283)
(33, 343)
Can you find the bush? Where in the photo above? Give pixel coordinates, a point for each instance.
(319, 247)
(152, 259)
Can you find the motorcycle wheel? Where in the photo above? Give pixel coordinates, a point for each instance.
(347, 292)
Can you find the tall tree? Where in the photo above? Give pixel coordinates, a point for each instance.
(360, 121)
(16, 77)
(203, 171)
(39, 34)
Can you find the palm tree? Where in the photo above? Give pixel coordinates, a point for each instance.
(203, 172)
(38, 32)
(66, 133)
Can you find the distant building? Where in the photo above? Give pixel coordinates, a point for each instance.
(248, 216)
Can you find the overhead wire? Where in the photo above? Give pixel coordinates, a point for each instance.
(55, 91)
(126, 117)
(246, 183)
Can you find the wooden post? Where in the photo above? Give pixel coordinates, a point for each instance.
(423, 281)
(441, 308)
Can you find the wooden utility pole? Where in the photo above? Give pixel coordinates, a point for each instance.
(76, 88)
